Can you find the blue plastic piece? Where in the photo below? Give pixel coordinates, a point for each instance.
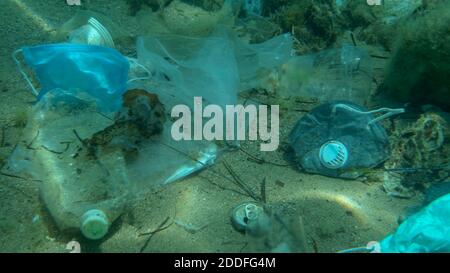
(428, 231)
(100, 71)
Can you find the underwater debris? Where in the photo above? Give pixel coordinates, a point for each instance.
(141, 117)
(423, 146)
(93, 33)
(337, 74)
(256, 29)
(270, 228)
(94, 224)
(251, 218)
(340, 139)
(89, 27)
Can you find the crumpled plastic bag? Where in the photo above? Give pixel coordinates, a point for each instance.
(215, 68)
(428, 231)
(336, 74)
(189, 67)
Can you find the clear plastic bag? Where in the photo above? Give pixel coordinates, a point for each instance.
(216, 68)
(336, 74)
(186, 67)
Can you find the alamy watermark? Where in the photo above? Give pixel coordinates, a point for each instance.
(241, 123)
(374, 2)
(73, 2)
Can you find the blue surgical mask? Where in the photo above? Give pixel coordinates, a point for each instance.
(100, 71)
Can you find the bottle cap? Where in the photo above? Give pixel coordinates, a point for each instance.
(94, 224)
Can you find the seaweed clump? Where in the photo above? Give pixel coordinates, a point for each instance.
(420, 156)
(315, 24)
(420, 68)
(366, 23)
(141, 117)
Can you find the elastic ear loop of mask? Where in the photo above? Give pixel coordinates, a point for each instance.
(390, 112)
(25, 76)
(143, 68)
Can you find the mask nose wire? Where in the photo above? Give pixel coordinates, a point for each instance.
(389, 112)
(25, 76)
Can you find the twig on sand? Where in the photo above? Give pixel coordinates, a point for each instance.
(263, 191)
(78, 137)
(220, 186)
(32, 141)
(2, 143)
(238, 181)
(261, 160)
(57, 152)
(189, 227)
(161, 227)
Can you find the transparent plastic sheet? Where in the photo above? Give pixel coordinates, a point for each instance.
(180, 68)
(191, 67)
(336, 74)
(256, 61)
(255, 28)
(217, 67)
